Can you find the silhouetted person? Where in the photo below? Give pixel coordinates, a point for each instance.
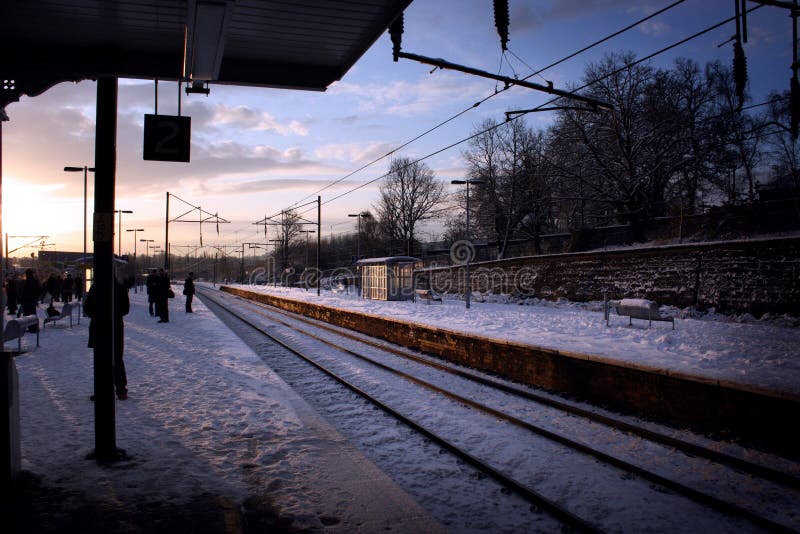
(12, 294)
(122, 306)
(66, 288)
(188, 290)
(31, 291)
(78, 286)
(152, 290)
(163, 290)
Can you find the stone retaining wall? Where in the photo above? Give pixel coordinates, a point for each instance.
(759, 276)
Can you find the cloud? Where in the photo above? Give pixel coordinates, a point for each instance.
(249, 118)
(358, 153)
(654, 28)
(406, 99)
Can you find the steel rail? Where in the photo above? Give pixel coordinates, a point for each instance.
(683, 489)
(759, 470)
(518, 487)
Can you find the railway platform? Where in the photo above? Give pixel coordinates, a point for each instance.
(214, 442)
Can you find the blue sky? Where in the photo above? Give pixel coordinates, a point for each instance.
(256, 151)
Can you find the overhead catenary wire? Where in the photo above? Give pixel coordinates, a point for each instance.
(641, 60)
(492, 95)
(476, 104)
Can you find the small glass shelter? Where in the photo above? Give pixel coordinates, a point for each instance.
(390, 278)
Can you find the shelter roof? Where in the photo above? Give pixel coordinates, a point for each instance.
(305, 44)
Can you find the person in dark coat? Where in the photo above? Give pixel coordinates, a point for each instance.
(122, 306)
(78, 287)
(162, 296)
(66, 288)
(152, 290)
(31, 291)
(188, 290)
(12, 295)
(50, 288)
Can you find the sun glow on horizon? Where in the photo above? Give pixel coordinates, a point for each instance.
(42, 209)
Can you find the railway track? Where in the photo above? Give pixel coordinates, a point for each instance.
(305, 337)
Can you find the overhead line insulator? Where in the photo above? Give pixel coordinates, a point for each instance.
(396, 33)
(501, 21)
(739, 71)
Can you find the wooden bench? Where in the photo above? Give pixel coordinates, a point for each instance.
(646, 310)
(66, 311)
(427, 295)
(16, 328)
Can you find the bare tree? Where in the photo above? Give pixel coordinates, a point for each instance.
(410, 194)
(783, 149)
(736, 130)
(514, 199)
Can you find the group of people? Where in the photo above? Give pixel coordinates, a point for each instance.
(159, 291)
(24, 294)
(23, 297)
(62, 288)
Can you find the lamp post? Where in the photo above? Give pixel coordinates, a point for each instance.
(119, 247)
(85, 169)
(468, 280)
(135, 263)
(307, 232)
(277, 243)
(147, 250)
(154, 248)
(360, 216)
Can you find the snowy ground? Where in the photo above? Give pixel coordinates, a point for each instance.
(206, 421)
(206, 416)
(756, 353)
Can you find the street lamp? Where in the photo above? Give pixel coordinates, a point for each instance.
(360, 216)
(119, 249)
(468, 280)
(147, 250)
(135, 263)
(85, 171)
(277, 243)
(307, 232)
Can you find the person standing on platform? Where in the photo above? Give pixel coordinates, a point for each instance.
(66, 288)
(163, 290)
(152, 290)
(31, 291)
(188, 290)
(122, 306)
(12, 294)
(78, 288)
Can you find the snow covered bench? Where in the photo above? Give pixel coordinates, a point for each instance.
(16, 328)
(427, 295)
(636, 309)
(66, 311)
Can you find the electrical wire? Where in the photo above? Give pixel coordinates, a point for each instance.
(621, 69)
(478, 103)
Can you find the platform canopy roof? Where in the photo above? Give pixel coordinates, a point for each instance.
(297, 44)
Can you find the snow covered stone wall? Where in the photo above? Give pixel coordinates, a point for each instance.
(755, 276)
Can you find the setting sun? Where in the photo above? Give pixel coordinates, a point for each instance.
(42, 210)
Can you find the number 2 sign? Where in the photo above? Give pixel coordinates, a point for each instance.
(166, 138)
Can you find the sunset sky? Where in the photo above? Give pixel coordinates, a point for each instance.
(257, 151)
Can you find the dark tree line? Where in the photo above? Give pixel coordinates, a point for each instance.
(675, 141)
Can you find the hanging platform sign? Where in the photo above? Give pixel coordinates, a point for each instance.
(166, 138)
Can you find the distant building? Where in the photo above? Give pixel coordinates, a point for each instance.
(64, 258)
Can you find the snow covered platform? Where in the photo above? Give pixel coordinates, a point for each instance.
(217, 442)
(733, 378)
